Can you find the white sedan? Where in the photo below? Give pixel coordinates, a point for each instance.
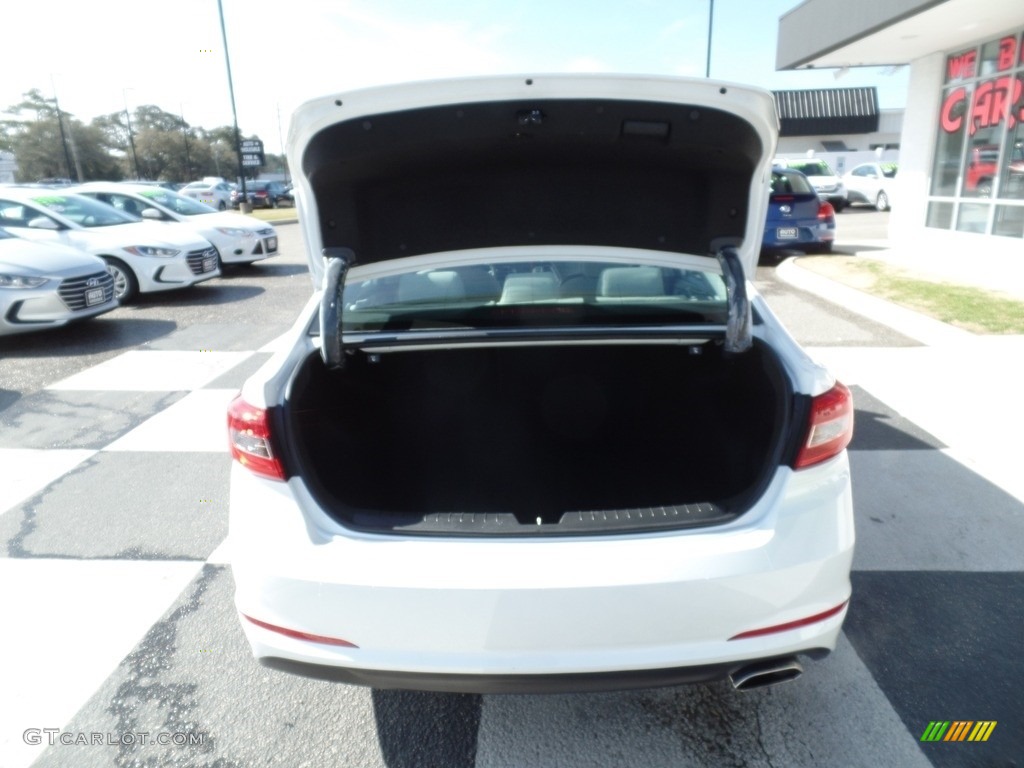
(142, 256)
(871, 183)
(535, 429)
(211, 191)
(47, 286)
(238, 239)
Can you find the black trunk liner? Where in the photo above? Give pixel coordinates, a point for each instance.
(574, 438)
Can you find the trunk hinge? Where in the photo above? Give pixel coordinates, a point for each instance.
(336, 265)
(737, 330)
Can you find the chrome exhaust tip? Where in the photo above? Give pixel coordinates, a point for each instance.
(765, 673)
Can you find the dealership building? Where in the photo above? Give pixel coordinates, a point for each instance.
(961, 178)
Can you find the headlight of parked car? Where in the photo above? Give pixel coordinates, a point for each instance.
(235, 232)
(20, 281)
(152, 250)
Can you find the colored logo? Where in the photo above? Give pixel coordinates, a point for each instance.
(958, 730)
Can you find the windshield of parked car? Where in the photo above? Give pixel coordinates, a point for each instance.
(559, 293)
(177, 203)
(812, 168)
(83, 210)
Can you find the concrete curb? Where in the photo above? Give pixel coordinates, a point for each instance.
(920, 327)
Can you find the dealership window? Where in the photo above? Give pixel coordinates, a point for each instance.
(977, 182)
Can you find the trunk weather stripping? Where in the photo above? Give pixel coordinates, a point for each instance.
(337, 263)
(737, 332)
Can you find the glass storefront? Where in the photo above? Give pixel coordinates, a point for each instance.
(978, 177)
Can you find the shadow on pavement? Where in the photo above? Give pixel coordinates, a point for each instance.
(417, 728)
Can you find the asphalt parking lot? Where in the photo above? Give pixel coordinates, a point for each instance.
(116, 574)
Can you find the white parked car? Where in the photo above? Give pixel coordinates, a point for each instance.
(142, 256)
(47, 286)
(871, 183)
(826, 182)
(211, 191)
(535, 429)
(238, 239)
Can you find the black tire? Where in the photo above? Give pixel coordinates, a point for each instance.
(126, 285)
(838, 205)
(882, 201)
(222, 206)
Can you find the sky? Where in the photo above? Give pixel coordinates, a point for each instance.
(102, 56)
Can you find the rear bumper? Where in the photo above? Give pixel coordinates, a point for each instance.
(553, 683)
(581, 614)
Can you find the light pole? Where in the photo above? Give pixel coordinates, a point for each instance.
(131, 136)
(711, 18)
(243, 207)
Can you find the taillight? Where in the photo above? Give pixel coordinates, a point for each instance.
(830, 427)
(826, 211)
(249, 440)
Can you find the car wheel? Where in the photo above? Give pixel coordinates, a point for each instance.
(838, 205)
(882, 202)
(984, 188)
(126, 286)
(272, 202)
(222, 205)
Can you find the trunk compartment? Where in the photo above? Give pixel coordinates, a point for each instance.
(538, 439)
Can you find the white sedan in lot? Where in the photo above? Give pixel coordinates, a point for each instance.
(47, 286)
(872, 183)
(142, 256)
(238, 239)
(535, 429)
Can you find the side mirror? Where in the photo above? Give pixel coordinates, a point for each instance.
(153, 214)
(43, 222)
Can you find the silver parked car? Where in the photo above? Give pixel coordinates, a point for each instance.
(46, 286)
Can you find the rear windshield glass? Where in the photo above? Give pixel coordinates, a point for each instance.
(534, 294)
(790, 184)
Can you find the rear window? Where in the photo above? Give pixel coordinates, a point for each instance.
(790, 184)
(534, 294)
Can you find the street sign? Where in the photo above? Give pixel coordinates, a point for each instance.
(252, 146)
(252, 159)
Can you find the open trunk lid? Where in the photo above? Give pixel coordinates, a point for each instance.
(628, 161)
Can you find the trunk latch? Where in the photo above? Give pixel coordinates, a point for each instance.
(336, 265)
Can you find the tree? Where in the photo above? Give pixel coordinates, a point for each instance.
(37, 138)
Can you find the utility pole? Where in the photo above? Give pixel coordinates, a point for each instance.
(131, 136)
(184, 136)
(63, 138)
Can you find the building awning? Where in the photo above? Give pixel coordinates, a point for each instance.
(827, 111)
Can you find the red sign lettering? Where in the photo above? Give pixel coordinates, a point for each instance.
(962, 66)
(991, 100)
(1007, 49)
(952, 114)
